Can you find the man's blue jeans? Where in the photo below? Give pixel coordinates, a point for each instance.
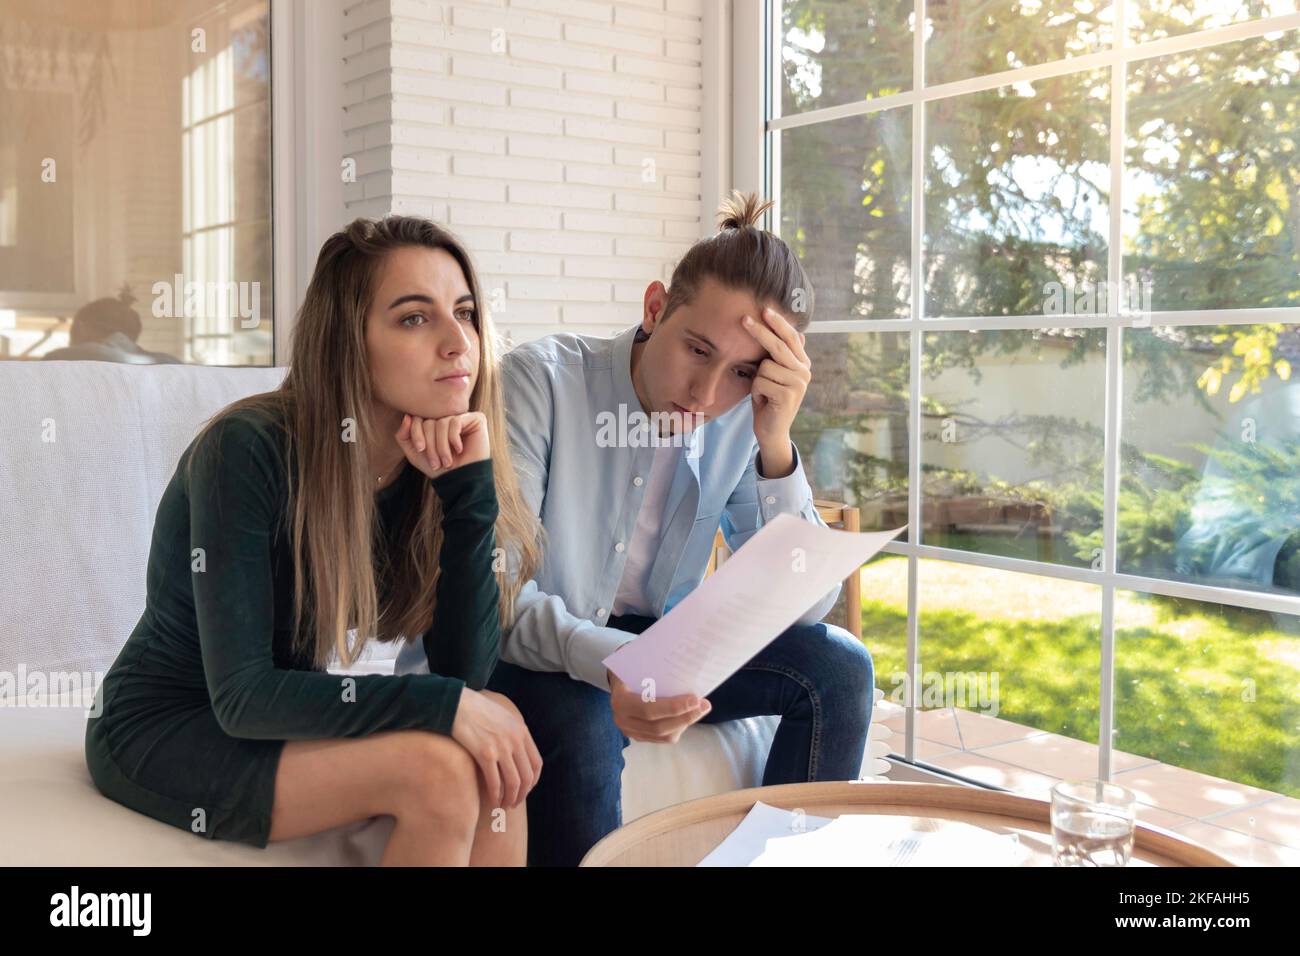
(818, 678)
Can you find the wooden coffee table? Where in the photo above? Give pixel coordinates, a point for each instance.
(684, 834)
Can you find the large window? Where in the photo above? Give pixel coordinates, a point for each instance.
(135, 181)
(1055, 250)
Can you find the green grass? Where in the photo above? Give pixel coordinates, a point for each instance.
(1211, 689)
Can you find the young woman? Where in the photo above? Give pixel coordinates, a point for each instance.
(369, 491)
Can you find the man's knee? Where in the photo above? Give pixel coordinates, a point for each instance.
(851, 660)
(851, 652)
(838, 661)
(504, 701)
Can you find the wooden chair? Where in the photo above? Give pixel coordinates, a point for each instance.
(834, 513)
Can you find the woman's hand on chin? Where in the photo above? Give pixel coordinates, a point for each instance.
(439, 445)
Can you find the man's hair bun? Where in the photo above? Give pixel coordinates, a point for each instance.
(745, 257)
(742, 210)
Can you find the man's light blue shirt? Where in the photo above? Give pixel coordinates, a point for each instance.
(583, 467)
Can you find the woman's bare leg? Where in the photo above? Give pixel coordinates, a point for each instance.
(427, 781)
(501, 838)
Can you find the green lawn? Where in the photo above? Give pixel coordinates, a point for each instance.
(1212, 689)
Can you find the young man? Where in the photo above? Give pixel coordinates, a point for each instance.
(718, 365)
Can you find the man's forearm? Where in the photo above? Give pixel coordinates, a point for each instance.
(545, 636)
(776, 459)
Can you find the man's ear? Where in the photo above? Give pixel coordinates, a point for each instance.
(656, 297)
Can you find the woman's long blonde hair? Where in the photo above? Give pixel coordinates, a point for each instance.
(331, 505)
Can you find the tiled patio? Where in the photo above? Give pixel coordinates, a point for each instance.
(1250, 826)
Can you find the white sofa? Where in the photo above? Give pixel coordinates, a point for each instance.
(86, 449)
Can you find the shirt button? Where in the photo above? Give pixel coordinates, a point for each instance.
(770, 499)
(600, 612)
(638, 481)
(619, 547)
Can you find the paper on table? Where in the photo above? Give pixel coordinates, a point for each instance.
(764, 822)
(771, 836)
(755, 594)
(864, 839)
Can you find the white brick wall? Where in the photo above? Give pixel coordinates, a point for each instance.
(561, 139)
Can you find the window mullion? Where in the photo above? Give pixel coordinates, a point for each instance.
(914, 381)
(1114, 397)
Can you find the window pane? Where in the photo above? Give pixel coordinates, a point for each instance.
(135, 183)
(883, 590)
(1017, 189)
(846, 210)
(884, 622)
(1010, 671)
(851, 430)
(975, 39)
(1012, 443)
(842, 51)
(1154, 19)
(1210, 693)
(1211, 190)
(1211, 470)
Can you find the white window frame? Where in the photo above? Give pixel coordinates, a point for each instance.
(306, 148)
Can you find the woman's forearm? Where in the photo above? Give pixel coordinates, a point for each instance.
(465, 637)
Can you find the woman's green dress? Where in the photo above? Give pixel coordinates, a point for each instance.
(198, 704)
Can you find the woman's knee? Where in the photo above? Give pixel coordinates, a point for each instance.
(439, 779)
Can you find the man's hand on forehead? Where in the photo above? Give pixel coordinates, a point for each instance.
(783, 342)
(778, 389)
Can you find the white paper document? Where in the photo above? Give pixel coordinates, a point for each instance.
(755, 594)
(762, 823)
(771, 836)
(871, 839)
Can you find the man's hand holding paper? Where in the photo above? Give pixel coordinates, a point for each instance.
(736, 612)
(660, 721)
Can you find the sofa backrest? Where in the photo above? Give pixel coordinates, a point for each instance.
(86, 449)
